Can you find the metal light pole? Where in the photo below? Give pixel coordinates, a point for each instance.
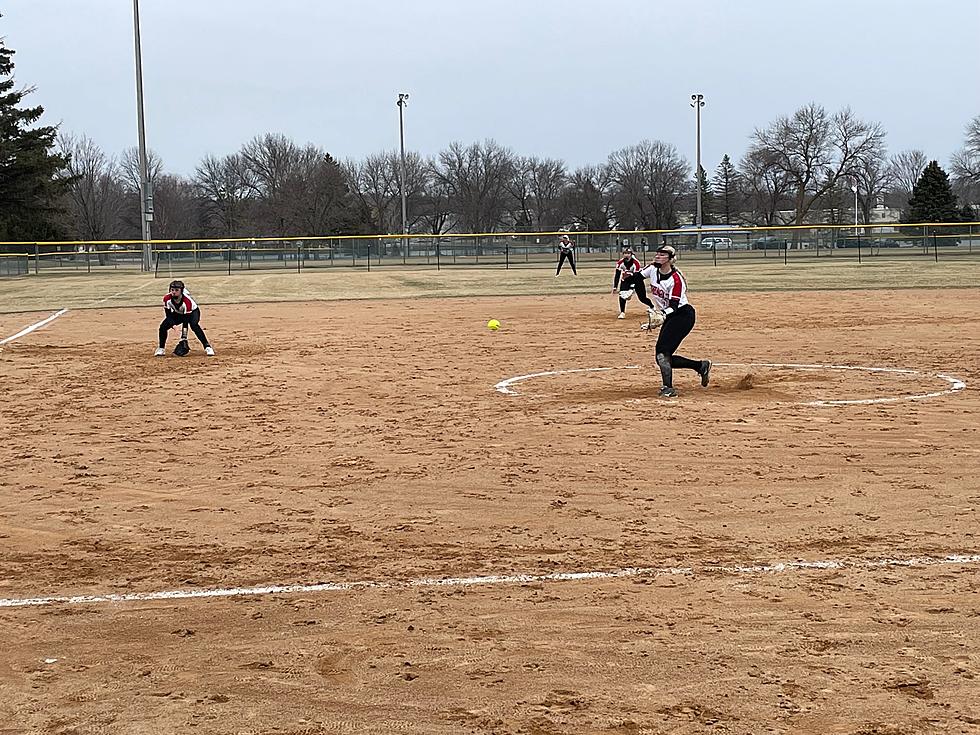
(854, 188)
(402, 101)
(146, 193)
(697, 102)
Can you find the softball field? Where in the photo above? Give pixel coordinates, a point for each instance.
(375, 515)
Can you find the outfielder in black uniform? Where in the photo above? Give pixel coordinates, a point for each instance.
(669, 290)
(566, 251)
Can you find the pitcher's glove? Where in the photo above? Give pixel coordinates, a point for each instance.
(655, 318)
(182, 348)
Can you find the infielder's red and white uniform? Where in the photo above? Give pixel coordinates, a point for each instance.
(186, 305)
(183, 311)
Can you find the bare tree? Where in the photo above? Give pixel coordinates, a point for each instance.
(812, 150)
(129, 165)
(966, 161)
(906, 169)
(548, 180)
(966, 170)
(95, 197)
(765, 189)
(650, 179)
(376, 182)
(176, 208)
(519, 187)
(476, 177)
(225, 187)
(587, 200)
(271, 160)
(433, 206)
(315, 198)
(873, 176)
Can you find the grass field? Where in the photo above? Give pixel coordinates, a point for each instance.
(69, 290)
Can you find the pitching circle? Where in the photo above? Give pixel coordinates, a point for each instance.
(954, 384)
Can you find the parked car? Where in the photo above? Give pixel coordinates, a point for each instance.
(850, 241)
(716, 243)
(769, 243)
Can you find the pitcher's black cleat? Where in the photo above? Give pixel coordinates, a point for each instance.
(667, 392)
(705, 372)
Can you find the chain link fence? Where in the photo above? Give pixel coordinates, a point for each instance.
(717, 245)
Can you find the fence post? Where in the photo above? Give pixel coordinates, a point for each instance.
(507, 254)
(935, 246)
(36, 258)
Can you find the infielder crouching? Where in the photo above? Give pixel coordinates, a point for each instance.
(180, 308)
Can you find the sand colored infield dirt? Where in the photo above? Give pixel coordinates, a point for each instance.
(364, 442)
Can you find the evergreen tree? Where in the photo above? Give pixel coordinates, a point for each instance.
(932, 198)
(707, 204)
(725, 191)
(29, 166)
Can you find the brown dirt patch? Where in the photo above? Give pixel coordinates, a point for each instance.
(363, 441)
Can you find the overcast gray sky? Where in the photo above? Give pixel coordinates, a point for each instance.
(570, 79)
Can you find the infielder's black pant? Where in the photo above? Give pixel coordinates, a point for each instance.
(566, 255)
(677, 326)
(637, 283)
(193, 319)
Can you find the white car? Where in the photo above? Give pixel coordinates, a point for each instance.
(716, 243)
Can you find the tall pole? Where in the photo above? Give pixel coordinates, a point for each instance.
(854, 188)
(697, 102)
(402, 101)
(146, 194)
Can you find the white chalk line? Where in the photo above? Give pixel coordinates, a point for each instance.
(290, 589)
(32, 327)
(37, 325)
(955, 384)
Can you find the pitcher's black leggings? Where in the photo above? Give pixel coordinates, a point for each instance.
(677, 326)
(193, 319)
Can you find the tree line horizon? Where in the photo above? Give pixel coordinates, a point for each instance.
(798, 169)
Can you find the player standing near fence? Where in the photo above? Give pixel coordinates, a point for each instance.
(180, 308)
(676, 317)
(566, 251)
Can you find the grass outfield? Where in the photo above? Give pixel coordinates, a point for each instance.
(49, 291)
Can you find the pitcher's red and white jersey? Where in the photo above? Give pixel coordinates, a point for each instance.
(666, 288)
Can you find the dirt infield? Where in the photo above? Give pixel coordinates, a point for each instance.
(363, 444)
